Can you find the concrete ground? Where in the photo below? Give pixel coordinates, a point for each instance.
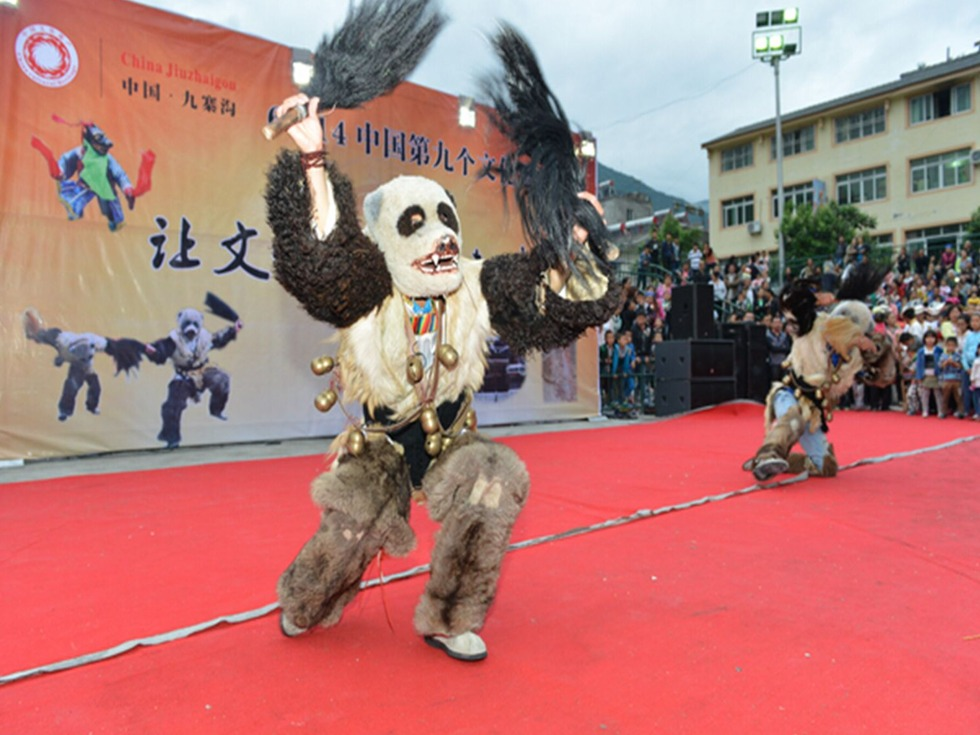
(190, 456)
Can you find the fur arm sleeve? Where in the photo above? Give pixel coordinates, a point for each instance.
(339, 279)
(513, 287)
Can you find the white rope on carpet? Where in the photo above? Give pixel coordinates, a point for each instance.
(638, 515)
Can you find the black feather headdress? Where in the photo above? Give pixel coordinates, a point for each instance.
(542, 168)
(377, 46)
(799, 297)
(374, 50)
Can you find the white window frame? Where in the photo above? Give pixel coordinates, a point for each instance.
(736, 157)
(941, 171)
(869, 185)
(922, 108)
(860, 124)
(801, 140)
(738, 211)
(804, 193)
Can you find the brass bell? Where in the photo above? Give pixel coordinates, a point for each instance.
(819, 394)
(415, 370)
(429, 420)
(798, 393)
(470, 421)
(447, 356)
(325, 400)
(322, 365)
(836, 378)
(433, 445)
(447, 441)
(787, 380)
(355, 442)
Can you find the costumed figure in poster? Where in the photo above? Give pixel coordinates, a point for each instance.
(834, 345)
(78, 351)
(414, 317)
(188, 347)
(89, 172)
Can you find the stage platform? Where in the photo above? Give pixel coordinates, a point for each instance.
(652, 587)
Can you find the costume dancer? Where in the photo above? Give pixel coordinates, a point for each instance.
(834, 344)
(414, 317)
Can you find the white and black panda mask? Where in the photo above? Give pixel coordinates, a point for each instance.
(415, 223)
(189, 324)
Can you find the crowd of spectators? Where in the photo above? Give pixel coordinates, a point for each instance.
(929, 305)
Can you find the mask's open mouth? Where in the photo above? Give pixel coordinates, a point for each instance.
(444, 259)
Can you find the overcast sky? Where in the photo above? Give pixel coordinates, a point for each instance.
(653, 80)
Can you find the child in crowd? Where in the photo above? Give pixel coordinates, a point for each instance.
(971, 358)
(624, 364)
(906, 360)
(606, 350)
(927, 373)
(951, 378)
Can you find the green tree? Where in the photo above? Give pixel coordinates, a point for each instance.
(812, 232)
(973, 226)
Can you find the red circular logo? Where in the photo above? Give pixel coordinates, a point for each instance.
(46, 55)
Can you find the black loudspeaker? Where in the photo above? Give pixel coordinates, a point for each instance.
(752, 379)
(692, 312)
(693, 373)
(678, 396)
(689, 359)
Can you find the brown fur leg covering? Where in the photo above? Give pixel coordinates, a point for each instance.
(476, 490)
(799, 462)
(364, 503)
(780, 438)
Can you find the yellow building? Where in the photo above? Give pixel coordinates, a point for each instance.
(906, 153)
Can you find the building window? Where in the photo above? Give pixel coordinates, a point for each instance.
(940, 172)
(862, 186)
(737, 211)
(941, 103)
(738, 157)
(796, 195)
(795, 141)
(860, 124)
(932, 240)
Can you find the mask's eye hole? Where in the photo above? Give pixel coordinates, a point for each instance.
(448, 217)
(411, 220)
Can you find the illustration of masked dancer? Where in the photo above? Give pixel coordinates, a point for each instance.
(188, 348)
(78, 350)
(89, 172)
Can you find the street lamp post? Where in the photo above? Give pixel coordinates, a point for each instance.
(778, 36)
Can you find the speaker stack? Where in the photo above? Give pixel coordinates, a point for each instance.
(693, 373)
(692, 314)
(752, 380)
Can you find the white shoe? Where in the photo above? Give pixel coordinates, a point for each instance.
(462, 647)
(766, 469)
(287, 628)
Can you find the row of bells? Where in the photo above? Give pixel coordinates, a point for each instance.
(435, 441)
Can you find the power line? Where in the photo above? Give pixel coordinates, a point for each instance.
(664, 106)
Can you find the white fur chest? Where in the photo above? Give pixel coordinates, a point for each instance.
(374, 351)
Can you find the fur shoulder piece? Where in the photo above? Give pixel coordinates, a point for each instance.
(512, 286)
(337, 280)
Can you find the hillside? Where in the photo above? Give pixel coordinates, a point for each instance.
(626, 184)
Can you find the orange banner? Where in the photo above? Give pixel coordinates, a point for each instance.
(132, 188)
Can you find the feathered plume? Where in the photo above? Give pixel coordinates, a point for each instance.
(542, 168)
(375, 49)
(862, 281)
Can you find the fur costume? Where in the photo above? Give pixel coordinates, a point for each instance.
(78, 350)
(188, 347)
(831, 350)
(414, 318)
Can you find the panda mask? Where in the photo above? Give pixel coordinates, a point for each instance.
(415, 224)
(189, 325)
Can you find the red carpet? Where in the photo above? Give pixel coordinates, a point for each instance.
(845, 605)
